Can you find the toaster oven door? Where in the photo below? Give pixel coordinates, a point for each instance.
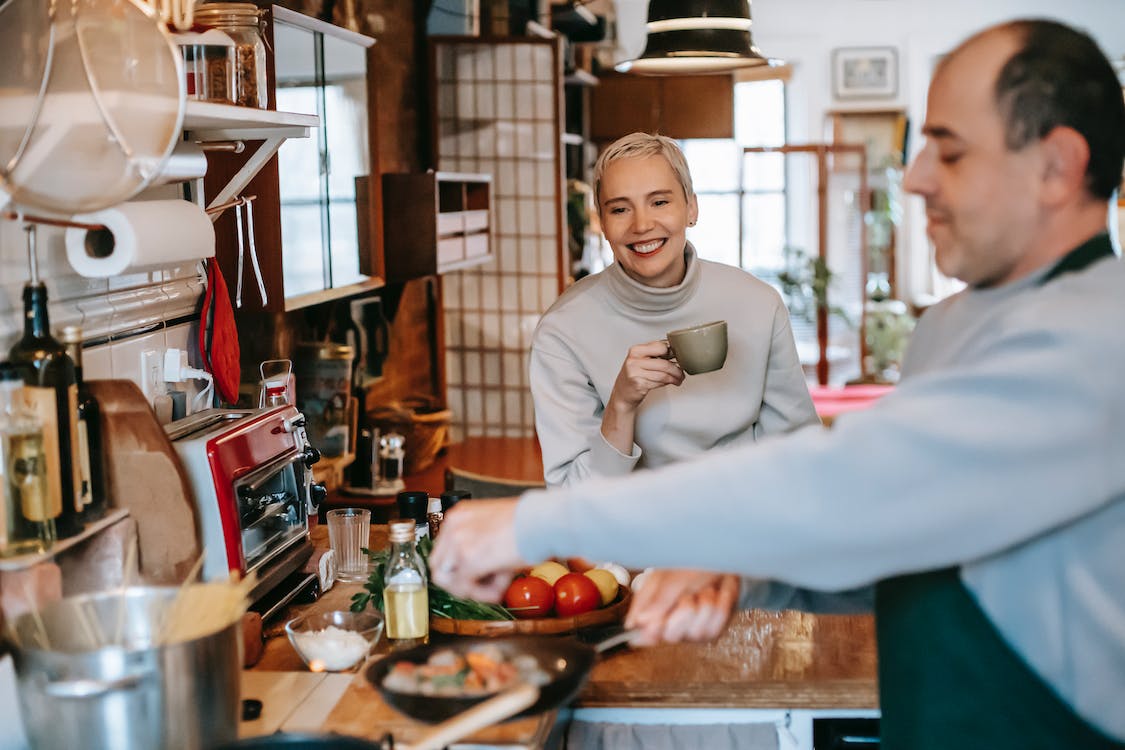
(272, 509)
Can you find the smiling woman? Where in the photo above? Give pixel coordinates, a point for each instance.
(610, 403)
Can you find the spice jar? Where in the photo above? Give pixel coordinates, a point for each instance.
(414, 505)
(241, 22)
(209, 61)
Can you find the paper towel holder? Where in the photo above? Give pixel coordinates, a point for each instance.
(69, 224)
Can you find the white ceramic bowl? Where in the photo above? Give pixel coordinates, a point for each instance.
(334, 641)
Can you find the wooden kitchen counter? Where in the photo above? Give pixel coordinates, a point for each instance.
(361, 711)
(764, 660)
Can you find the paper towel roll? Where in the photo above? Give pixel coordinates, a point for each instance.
(138, 235)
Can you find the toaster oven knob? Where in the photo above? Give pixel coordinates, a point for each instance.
(310, 455)
(294, 424)
(318, 493)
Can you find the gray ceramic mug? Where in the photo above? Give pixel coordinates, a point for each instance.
(701, 348)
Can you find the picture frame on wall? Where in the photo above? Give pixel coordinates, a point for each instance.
(865, 72)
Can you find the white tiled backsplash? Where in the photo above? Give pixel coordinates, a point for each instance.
(120, 316)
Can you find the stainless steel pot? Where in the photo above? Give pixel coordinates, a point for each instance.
(138, 694)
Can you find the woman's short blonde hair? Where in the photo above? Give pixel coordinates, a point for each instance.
(640, 146)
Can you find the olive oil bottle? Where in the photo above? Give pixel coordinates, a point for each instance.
(406, 601)
(27, 520)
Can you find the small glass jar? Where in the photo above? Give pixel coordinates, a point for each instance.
(242, 22)
(209, 61)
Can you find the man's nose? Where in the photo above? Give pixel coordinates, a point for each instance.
(919, 175)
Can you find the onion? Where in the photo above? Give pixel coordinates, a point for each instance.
(618, 571)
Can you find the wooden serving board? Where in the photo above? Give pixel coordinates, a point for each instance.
(612, 613)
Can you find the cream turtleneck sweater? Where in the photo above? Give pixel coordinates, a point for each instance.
(582, 340)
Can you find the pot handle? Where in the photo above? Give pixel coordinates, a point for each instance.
(77, 689)
(497, 708)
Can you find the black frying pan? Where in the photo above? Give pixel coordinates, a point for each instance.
(568, 661)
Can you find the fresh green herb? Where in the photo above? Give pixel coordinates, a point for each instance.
(442, 603)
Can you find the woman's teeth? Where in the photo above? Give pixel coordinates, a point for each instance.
(646, 247)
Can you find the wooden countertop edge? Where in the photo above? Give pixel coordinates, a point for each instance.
(822, 694)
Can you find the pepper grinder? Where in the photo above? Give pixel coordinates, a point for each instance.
(392, 454)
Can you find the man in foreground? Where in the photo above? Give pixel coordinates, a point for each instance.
(984, 498)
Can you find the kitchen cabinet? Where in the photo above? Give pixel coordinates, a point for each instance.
(316, 220)
(580, 151)
(435, 222)
(675, 106)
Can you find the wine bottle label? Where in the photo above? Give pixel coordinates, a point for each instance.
(75, 465)
(28, 475)
(84, 464)
(41, 402)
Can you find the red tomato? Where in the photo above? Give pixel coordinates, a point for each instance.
(575, 594)
(529, 596)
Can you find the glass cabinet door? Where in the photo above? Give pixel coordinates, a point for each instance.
(345, 128)
(320, 225)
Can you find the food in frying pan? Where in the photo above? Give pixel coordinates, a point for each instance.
(480, 670)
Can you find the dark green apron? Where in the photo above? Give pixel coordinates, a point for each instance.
(947, 679)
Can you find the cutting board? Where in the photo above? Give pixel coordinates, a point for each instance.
(145, 476)
(291, 701)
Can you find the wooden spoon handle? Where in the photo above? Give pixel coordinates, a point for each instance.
(497, 708)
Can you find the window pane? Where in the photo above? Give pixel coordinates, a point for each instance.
(763, 172)
(764, 231)
(713, 164)
(759, 113)
(301, 242)
(716, 235)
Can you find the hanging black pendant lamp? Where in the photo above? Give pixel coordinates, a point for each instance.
(697, 36)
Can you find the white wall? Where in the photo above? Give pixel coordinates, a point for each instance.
(127, 314)
(804, 33)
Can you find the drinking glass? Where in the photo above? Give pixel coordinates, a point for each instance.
(348, 534)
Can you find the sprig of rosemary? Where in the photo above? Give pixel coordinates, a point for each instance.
(442, 603)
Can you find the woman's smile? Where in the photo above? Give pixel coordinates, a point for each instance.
(648, 247)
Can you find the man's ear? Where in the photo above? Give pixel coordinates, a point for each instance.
(1066, 156)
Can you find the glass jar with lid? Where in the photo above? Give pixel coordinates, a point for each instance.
(242, 23)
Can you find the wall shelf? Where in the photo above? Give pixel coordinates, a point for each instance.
(23, 562)
(435, 222)
(211, 121)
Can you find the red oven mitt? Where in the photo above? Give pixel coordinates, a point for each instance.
(218, 336)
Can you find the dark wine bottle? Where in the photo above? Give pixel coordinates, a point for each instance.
(50, 388)
(88, 439)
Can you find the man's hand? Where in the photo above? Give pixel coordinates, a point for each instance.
(677, 605)
(475, 554)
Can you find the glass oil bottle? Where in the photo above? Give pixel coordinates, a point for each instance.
(405, 588)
